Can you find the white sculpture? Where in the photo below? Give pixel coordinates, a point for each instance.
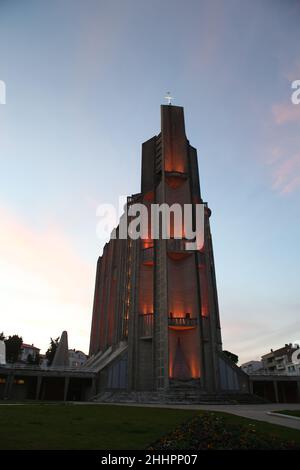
(2, 352)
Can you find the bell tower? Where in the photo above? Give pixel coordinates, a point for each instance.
(157, 296)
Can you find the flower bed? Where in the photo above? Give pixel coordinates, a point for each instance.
(214, 431)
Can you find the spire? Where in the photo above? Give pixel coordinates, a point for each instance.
(61, 358)
(2, 352)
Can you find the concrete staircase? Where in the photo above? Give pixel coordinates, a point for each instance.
(102, 359)
(123, 396)
(176, 396)
(189, 395)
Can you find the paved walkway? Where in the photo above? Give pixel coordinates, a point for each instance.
(258, 412)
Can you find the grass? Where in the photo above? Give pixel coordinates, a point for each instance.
(289, 412)
(265, 429)
(66, 426)
(59, 426)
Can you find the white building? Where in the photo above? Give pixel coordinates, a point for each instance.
(28, 350)
(282, 361)
(251, 367)
(76, 358)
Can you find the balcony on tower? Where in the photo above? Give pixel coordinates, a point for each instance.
(182, 323)
(177, 248)
(175, 179)
(133, 198)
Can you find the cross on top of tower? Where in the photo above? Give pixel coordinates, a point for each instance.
(169, 98)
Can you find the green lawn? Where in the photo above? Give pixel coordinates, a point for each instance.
(59, 426)
(266, 429)
(66, 426)
(290, 412)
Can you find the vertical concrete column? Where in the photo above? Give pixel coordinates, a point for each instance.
(8, 386)
(284, 393)
(66, 387)
(250, 386)
(275, 385)
(38, 387)
(298, 390)
(94, 387)
(5, 391)
(88, 393)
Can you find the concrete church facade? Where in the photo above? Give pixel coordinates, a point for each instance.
(156, 324)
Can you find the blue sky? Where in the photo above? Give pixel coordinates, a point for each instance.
(85, 80)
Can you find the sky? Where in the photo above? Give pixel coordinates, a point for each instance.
(84, 83)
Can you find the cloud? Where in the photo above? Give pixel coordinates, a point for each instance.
(251, 340)
(293, 71)
(283, 113)
(286, 176)
(283, 156)
(284, 169)
(45, 285)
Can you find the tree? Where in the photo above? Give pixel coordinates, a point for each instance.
(13, 347)
(233, 357)
(37, 359)
(50, 353)
(34, 360)
(2, 336)
(30, 359)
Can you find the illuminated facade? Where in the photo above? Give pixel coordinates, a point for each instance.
(156, 318)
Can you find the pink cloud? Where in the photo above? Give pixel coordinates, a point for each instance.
(48, 252)
(283, 158)
(283, 113)
(293, 73)
(286, 176)
(45, 285)
(274, 155)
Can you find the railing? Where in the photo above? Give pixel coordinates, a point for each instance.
(43, 368)
(179, 245)
(133, 198)
(176, 174)
(16, 365)
(176, 244)
(146, 325)
(275, 372)
(182, 321)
